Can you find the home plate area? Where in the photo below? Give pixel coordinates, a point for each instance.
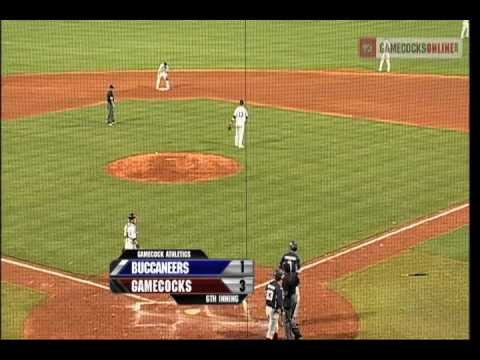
(197, 322)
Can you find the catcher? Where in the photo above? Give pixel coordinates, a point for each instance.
(290, 284)
(293, 260)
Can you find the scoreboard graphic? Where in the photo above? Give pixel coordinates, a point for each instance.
(188, 276)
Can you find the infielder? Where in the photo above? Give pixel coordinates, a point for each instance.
(465, 29)
(293, 261)
(162, 74)
(110, 106)
(130, 233)
(240, 117)
(274, 304)
(385, 57)
(290, 285)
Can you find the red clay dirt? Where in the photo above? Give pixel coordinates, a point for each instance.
(173, 167)
(422, 100)
(76, 310)
(81, 311)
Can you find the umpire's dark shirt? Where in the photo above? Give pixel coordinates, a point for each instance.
(292, 258)
(290, 283)
(110, 97)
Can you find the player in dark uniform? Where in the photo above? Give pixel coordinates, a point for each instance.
(293, 260)
(291, 257)
(110, 106)
(274, 304)
(290, 284)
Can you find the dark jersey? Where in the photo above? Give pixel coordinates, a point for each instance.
(274, 295)
(290, 283)
(292, 259)
(110, 97)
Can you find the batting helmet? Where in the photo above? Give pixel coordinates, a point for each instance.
(293, 245)
(278, 274)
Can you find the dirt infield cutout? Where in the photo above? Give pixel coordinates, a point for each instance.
(364, 95)
(77, 308)
(173, 167)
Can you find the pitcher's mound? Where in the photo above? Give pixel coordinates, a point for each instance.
(173, 167)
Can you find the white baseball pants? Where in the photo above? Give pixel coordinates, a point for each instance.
(385, 58)
(239, 132)
(160, 77)
(272, 318)
(130, 244)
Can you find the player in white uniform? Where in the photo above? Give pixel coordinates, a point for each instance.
(240, 117)
(162, 74)
(465, 29)
(130, 233)
(385, 57)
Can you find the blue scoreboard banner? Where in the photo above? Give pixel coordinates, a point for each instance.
(176, 267)
(189, 276)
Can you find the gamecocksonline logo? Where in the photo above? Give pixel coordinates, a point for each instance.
(367, 47)
(411, 48)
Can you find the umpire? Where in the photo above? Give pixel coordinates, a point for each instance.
(290, 284)
(294, 261)
(110, 106)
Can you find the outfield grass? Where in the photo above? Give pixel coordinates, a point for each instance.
(45, 46)
(455, 246)
(324, 181)
(17, 302)
(394, 306)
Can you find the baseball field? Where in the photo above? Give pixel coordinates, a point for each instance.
(367, 171)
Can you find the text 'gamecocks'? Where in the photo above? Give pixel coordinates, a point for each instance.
(161, 286)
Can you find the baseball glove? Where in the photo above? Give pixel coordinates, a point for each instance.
(229, 127)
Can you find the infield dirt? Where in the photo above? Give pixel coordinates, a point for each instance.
(78, 311)
(432, 101)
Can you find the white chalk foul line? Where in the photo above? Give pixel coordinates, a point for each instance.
(74, 279)
(306, 267)
(377, 239)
